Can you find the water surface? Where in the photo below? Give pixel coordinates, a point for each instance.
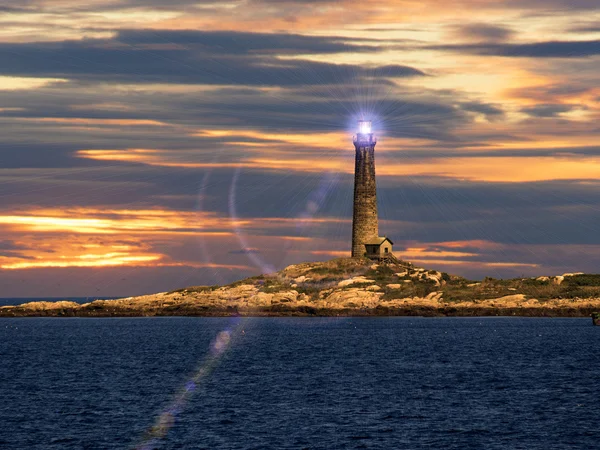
(287, 383)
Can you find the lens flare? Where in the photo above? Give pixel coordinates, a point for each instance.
(165, 421)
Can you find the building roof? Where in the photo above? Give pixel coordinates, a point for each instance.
(378, 240)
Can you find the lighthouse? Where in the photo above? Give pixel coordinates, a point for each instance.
(365, 225)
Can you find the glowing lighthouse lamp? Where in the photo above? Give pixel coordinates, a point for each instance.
(365, 133)
(364, 126)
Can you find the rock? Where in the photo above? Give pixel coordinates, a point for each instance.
(239, 292)
(473, 284)
(260, 299)
(356, 295)
(402, 274)
(303, 298)
(302, 279)
(373, 288)
(434, 296)
(285, 297)
(47, 306)
(374, 266)
(355, 280)
(324, 293)
(435, 277)
(394, 286)
(543, 278)
(510, 299)
(408, 281)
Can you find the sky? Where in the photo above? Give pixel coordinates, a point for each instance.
(150, 145)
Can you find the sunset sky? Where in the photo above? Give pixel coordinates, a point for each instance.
(151, 145)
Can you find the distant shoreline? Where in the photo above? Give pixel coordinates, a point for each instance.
(16, 301)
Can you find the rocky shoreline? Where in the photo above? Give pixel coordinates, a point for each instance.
(308, 312)
(349, 287)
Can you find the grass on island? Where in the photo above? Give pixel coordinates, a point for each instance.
(401, 280)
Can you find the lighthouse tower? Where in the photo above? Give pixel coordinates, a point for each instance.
(365, 227)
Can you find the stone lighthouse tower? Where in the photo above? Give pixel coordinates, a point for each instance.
(364, 220)
(365, 226)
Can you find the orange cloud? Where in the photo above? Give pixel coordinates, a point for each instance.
(97, 221)
(87, 260)
(502, 169)
(476, 243)
(509, 169)
(488, 169)
(333, 140)
(415, 253)
(435, 254)
(76, 121)
(445, 262)
(331, 253)
(95, 237)
(18, 83)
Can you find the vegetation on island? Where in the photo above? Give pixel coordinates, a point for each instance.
(352, 286)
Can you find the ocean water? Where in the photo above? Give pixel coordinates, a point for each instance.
(299, 383)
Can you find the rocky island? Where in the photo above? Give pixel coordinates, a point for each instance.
(350, 287)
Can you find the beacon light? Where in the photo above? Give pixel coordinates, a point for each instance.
(364, 126)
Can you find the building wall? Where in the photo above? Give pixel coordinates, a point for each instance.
(364, 221)
(383, 247)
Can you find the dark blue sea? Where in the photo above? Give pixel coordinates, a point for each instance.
(299, 383)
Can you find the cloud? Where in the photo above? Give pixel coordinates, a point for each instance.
(488, 110)
(590, 27)
(11, 245)
(415, 208)
(245, 251)
(193, 57)
(548, 110)
(549, 49)
(14, 9)
(11, 249)
(236, 42)
(483, 32)
(76, 115)
(112, 281)
(133, 155)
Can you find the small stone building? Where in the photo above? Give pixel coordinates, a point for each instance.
(379, 248)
